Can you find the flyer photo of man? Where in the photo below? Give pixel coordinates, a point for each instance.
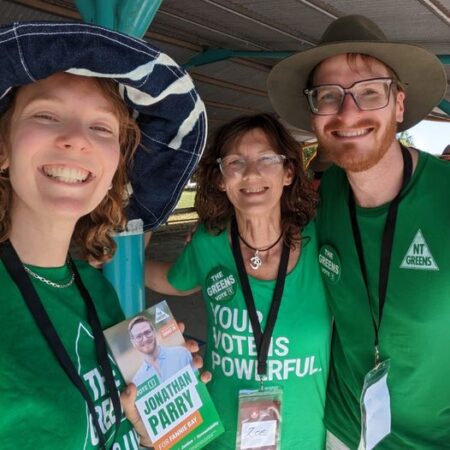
(160, 360)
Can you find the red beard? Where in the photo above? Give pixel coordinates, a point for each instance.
(351, 156)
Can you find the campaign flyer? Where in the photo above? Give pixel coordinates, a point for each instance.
(174, 404)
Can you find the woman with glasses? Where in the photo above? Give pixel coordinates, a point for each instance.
(254, 256)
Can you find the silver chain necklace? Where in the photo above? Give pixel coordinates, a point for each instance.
(50, 282)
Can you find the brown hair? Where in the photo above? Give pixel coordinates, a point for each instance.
(298, 201)
(92, 231)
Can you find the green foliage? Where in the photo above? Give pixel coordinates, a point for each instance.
(406, 139)
(309, 152)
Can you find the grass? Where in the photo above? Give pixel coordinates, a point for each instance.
(186, 200)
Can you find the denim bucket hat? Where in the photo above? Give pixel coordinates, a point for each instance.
(421, 73)
(164, 101)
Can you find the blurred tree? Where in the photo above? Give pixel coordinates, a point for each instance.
(406, 139)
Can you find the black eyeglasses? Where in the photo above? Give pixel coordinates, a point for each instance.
(368, 95)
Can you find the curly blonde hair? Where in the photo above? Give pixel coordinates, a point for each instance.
(92, 231)
(298, 201)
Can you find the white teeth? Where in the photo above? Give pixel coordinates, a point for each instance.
(352, 133)
(66, 174)
(254, 190)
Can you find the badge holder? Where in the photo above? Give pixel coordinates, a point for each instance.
(375, 406)
(259, 419)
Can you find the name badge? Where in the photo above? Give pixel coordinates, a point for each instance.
(259, 419)
(375, 406)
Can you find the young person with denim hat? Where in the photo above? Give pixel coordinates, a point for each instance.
(382, 228)
(74, 101)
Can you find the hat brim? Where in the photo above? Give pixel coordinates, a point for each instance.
(419, 70)
(162, 96)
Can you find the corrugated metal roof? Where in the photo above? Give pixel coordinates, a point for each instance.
(238, 86)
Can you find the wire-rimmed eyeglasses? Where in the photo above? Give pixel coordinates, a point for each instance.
(232, 165)
(369, 95)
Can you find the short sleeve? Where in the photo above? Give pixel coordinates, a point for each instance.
(103, 294)
(184, 274)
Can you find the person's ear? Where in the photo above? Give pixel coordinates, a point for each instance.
(400, 106)
(4, 165)
(221, 185)
(288, 176)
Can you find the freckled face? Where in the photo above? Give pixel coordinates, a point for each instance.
(353, 139)
(64, 148)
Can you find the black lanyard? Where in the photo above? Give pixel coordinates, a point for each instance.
(262, 339)
(386, 245)
(15, 269)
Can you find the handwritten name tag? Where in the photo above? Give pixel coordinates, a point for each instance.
(258, 434)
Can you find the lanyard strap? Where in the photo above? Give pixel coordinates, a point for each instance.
(386, 243)
(262, 339)
(17, 272)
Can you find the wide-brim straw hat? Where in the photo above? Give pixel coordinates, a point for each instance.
(423, 76)
(161, 95)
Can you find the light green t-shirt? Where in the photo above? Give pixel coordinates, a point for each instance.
(415, 328)
(298, 358)
(40, 407)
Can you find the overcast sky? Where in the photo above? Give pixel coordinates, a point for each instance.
(431, 137)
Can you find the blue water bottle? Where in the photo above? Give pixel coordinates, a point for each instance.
(126, 270)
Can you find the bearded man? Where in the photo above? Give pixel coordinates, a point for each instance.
(383, 233)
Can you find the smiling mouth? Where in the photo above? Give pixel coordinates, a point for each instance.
(254, 190)
(66, 174)
(352, 133)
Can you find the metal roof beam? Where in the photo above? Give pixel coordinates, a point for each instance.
(227, 84)
(445, 106)
(219, 54)
(318, 8)
(259, 22)
(57, 10)
(437, 9)
(220, 105)
(212, 30)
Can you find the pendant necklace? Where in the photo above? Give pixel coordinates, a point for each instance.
(255, 260)
(50, 282)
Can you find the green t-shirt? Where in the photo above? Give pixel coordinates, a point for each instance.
(298, 359)
(40, 407)
(415, 328)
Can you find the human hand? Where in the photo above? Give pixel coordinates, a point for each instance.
(192, 346)
(128, 399)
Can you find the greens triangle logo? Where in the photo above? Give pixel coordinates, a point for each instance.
(418, 255)
(160, 315)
